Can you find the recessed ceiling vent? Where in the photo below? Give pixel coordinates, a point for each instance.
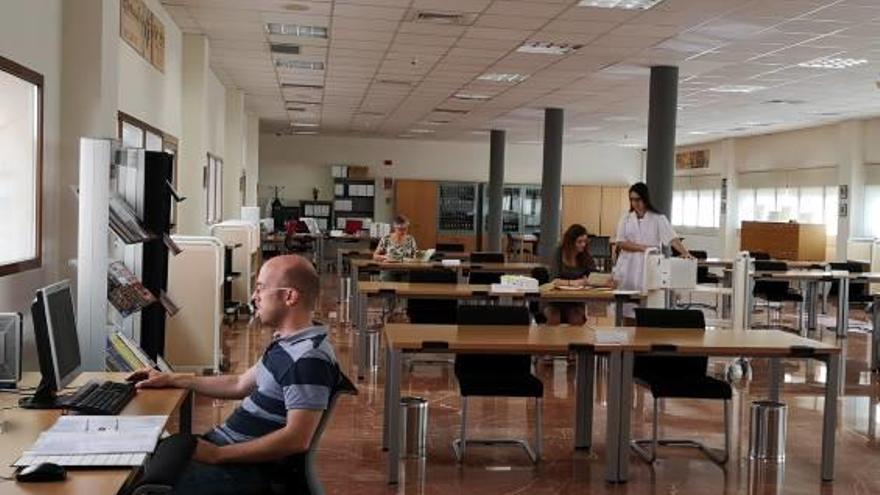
(441, 17)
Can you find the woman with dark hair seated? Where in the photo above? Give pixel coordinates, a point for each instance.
(570, 266)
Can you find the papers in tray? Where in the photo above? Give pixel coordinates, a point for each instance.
(611, 337)
(510, 289)
(75, 436)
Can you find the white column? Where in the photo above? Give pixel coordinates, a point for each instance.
(193, 142)
(850, 173)
(234, 154)
(89, 96)
(252, 154)
(729, 225)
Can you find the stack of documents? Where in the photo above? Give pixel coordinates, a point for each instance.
(96, 441)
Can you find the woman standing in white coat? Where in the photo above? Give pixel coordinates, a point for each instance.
(641, 228)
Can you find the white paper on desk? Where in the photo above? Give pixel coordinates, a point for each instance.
(73, 435)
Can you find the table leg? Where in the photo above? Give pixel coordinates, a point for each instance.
(829, 422)
(776, 378)
(612, 425)
(363, 343)
(392, 387)
(842, 307)
(812, 304)
(387, 398)
(583, 421)
(875, 335)
(185, 414)
(339, 261)
(618, 310)
(750, 300)
(626, 394)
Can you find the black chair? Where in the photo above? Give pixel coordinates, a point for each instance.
(675, 377)
(759, 255)
(439, 311)
(296, 474)
(481, 277)
(448, 247)
(859, 290)
(542, 275)
(776, 291)
(490, 375)
(703, 274)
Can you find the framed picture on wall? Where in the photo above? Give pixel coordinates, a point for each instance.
(844, 192)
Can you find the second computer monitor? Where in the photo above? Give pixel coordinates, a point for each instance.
(55, 333)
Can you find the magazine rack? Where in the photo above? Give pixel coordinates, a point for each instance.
(123, 245)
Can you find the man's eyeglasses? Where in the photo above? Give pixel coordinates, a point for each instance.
(262, 288)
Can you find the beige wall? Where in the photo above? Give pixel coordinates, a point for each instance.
(146, 93)
(300, 163)
(30, 34)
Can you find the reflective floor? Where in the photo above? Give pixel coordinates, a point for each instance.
(351, 460)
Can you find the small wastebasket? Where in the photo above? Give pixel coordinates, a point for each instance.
(414, 427)
(767, 429)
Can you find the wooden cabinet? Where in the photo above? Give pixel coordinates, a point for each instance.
(785, 241)
(598, 208)
(583, 205)
(417, 200)
(615, 202)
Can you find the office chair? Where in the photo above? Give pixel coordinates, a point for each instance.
(859, 290)
(542, 275)
(491, 375)
(777, 291)
(485, 278)
(438, 311)
(296, 474)
(448, 247)
(759, 255)
(678, 378)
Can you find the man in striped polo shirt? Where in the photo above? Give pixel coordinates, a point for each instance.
(284, 393)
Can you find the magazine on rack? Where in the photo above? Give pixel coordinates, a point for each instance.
(125, 291)
(124, 221)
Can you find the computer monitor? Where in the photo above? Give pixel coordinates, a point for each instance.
(57, 343)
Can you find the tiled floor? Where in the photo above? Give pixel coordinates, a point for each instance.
(351, 459)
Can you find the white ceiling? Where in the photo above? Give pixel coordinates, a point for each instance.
(386, 76)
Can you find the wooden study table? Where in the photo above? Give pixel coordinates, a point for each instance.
(811, 278)
(469, 292)
(23, 426)
(622, 344)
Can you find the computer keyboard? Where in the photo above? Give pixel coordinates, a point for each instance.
(100, 398)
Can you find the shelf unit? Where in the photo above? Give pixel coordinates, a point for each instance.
(137, 243)
(354, 199)
(321, 211)
(456, 208)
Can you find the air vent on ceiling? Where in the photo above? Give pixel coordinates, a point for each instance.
(782, 101)
(285, 48)
(368, 113)
(297, 109)
(299, 64)
(300, 86)
(441, 17)
(302, 102)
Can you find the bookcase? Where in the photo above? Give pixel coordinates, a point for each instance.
(123, 246)
(354, 199)
(321, 211)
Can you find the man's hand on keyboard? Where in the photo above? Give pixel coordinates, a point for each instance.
(150, 378)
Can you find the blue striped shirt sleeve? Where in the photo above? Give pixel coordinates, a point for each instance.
(308, 383)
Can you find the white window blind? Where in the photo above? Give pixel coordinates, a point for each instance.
(696, 201)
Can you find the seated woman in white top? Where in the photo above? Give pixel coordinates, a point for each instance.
(641, 228)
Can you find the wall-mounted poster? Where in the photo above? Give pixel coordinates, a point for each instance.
(143, 31)
(689, 160)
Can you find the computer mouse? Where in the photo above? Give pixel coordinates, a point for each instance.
(45, 471)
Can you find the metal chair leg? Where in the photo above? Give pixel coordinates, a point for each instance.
(713, 455)
(459, 445)
(539, 427)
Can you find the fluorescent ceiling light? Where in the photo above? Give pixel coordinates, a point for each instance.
(503, 77)
(421, 131)
(305, 133)
(304, 124)
(285, 48)
(620, 118)
(472, 97)
(833, 63)
(302, 102)
(620, 4)
(437, 122)
(278, 28)
(587, 128)
(700, 133)
(298, 64)
(735, 88)
(547, 48)
(301, 86)
(632, 145)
